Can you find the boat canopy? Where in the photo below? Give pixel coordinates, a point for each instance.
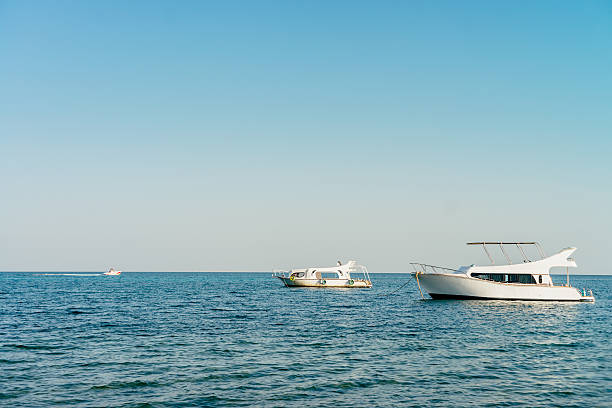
(536, 267)
(501, 247)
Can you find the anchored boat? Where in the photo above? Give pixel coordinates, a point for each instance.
(340, 276)
(527, 280)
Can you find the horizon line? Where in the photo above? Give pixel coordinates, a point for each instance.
(246, 271)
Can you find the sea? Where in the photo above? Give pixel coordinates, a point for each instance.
(245, 340)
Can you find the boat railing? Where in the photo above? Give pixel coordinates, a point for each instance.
(279, 273)
(362, 270)
(425, 268)
(586, 292)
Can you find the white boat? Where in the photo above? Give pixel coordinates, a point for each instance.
(112, 272)
(527, 280)
(340, 276)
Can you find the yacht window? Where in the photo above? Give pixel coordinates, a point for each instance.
(499, 277)
(540, 278)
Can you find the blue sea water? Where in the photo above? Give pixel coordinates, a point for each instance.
(242, 339)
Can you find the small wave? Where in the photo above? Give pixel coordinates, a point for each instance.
(4, 396)
(78, 311)
(551, 345)
(27, 347)
(564, 393)
(569, 345)
(92, 364)
(416, 347)
(126, 384)
(224, 377)
(5, 361)
(350, 385)
(465, 376)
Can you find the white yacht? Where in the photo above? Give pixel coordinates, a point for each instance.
(112, 272)
(526, 280)
(340, 276)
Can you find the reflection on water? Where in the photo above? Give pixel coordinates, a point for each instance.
(246, 340)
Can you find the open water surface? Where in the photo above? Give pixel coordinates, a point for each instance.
(242, 339)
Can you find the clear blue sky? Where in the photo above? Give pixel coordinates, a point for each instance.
(256, 135)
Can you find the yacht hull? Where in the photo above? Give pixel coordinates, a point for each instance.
(455, 286)
(325, 283)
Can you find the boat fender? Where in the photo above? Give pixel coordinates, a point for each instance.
(292, 278)
(323, 282)
(351, 282)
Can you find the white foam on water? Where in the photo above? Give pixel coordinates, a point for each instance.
(69, 274)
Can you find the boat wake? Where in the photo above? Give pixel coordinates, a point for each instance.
(68, 274)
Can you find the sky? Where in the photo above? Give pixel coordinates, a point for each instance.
(220, 136)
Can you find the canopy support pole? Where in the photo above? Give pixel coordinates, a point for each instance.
(523, 252)
(537, 244)
(488, 254)
(501, 246)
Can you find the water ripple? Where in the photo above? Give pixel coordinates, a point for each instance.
(163, 340)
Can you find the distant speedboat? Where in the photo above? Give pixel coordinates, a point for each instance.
(339, 276)
(527, 280)
(112, 272)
